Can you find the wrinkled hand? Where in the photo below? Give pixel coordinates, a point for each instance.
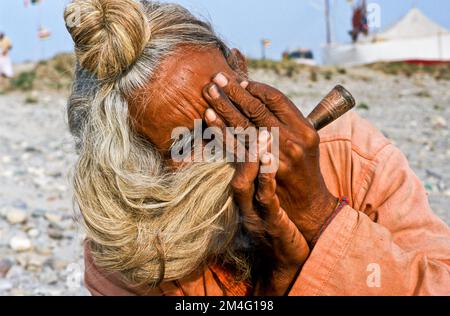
(301, 187)
(278, 238)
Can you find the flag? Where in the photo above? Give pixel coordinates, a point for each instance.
(44, 33)
(26, 3)
(266, 43)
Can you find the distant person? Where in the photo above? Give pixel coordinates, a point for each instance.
(6, 69)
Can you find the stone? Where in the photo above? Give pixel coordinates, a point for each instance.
(16, 216)
(39, 212)
(49, 277)
(20, 243)
(43, 250)
(33, 232)
(35, 263)
(5, 285)
(439, 122)
(5, 266)
(19, 292)
(58, 264)
(53, 218)
(55, 233)
(22, 260)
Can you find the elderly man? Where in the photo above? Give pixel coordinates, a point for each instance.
(342, 215)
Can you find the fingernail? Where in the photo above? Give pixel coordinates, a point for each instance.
(244, 84)
(266, 159)
(221, 80)
(210, 115)
(214, 92)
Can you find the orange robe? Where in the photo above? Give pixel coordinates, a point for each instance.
(386, 242)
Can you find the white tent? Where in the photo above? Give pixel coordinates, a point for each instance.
(414, 38)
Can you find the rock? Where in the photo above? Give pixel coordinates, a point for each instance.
(33, 232)
(19, 292)
(5, 266)
(22, 260)
(58, 264)
(433, 174)
(49, 277)
(20, 243)
(6, 159)
(16, 216)
(439, 122)
(38, 213)
(53, 218)
(429, 187)
(43, 250)
(55, 233)
(5, 285)
(35, 263)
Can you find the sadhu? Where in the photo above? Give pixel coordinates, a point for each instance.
(342, 215)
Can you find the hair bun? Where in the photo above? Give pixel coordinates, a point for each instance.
(109, 35)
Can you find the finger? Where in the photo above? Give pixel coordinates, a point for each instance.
(266, 193)
(212, 120)
(251, 106)
(238, 148)
(276, 102)
(279, 226)
(224, 107)
(243, 191)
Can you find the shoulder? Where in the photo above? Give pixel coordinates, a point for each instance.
(358, 135)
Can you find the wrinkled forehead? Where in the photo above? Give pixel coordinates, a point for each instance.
(182, 76)
(174, 96)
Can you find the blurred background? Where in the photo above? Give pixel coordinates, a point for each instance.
(394, 56)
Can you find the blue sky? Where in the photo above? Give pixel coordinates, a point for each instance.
(242, 23)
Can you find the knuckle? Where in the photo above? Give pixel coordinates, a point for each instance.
(234, 90)
(311, 139)
(240, 185)
(263, 199)
(244, 123)
(295, 151)
(258, 110)
(274, 96)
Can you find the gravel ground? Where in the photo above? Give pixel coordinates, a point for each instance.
(40, 244)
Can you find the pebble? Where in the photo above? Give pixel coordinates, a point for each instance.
(53, 218)
(5, 266)
(58, 264)
(49, 277)
(19, 292)
(5, 285)
(16, 216)
(55, 233)
(20, 243)
(439, 122)
(35, 263)
(33, 232)
(43, 250)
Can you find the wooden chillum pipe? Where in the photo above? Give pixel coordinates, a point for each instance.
(338, 102)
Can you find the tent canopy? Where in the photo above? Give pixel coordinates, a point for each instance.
(414, 24)
(414, 38)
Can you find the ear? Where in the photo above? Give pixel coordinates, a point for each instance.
(238, 62)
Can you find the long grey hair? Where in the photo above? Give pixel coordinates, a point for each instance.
(144, 221)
